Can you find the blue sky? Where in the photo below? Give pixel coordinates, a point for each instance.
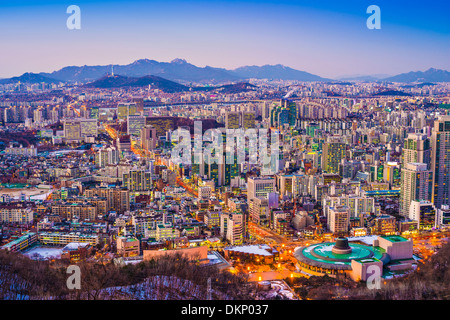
(328, 38)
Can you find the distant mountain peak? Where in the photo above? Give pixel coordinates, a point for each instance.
(430, 75)
(277, 71)
(142, 61)
(178, 61)
(29, 77)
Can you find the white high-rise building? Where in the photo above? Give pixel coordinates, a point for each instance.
(339, 219)
(416, 185)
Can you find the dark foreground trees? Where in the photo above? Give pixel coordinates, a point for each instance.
(164, 278)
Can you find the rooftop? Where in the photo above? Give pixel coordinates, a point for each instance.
(395, 238)
(321, 255)
(252, 249)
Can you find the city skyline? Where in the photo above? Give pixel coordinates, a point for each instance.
(326, 39)
(239, 151)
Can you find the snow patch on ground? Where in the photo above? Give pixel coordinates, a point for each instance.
(43, 253)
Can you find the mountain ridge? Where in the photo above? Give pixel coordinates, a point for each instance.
(180, 71)
(430, 75)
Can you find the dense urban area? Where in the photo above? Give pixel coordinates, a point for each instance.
(359, 181)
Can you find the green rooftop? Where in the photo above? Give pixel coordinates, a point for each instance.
(325, 255)
(367, 260)
(395, 238)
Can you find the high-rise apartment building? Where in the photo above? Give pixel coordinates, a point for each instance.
(232, 227)
(416, 149)
(440, 161)
(137, 180)
(334, 150)
(416, 184)
(339, 219)
(106, 156)
(118, 199)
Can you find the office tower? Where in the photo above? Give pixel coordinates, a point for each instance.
(425, 213)
(333, 152)
(232, 170)
(72, 130)
(216, 172)
(132, 109)
(291, 108)
(139, 104)
(440, 162)
(232, 120)
(122, 111)
(126, 109)
(148, 138)
(135, 123)
(260, 187)
(248, 120)
(416, 185)
(416, 149)
(162, 124)
(88, 128)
